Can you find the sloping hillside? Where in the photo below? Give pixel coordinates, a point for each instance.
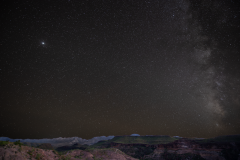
(17, 151)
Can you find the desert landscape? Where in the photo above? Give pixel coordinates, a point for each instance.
(129, 148)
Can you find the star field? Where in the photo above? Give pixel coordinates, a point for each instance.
(93, 68)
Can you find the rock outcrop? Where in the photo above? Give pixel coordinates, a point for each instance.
(124, 148)
(208, 151)
(16, 152)
(180, 148)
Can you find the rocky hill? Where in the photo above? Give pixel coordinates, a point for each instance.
(131, 148)
(58, 142)
(171, 148)
(11, 151)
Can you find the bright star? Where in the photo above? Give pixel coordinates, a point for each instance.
(43, 43)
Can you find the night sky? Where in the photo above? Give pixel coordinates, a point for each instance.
(91, 68)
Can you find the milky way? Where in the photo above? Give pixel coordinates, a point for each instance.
(94, 68)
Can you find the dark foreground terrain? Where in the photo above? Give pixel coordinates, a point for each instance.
(130, 148)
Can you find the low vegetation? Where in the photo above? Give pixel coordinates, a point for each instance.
(39, 156)
(65, 157)
(18, 143)
(4, 143)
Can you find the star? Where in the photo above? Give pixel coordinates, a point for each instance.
(113, 69)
